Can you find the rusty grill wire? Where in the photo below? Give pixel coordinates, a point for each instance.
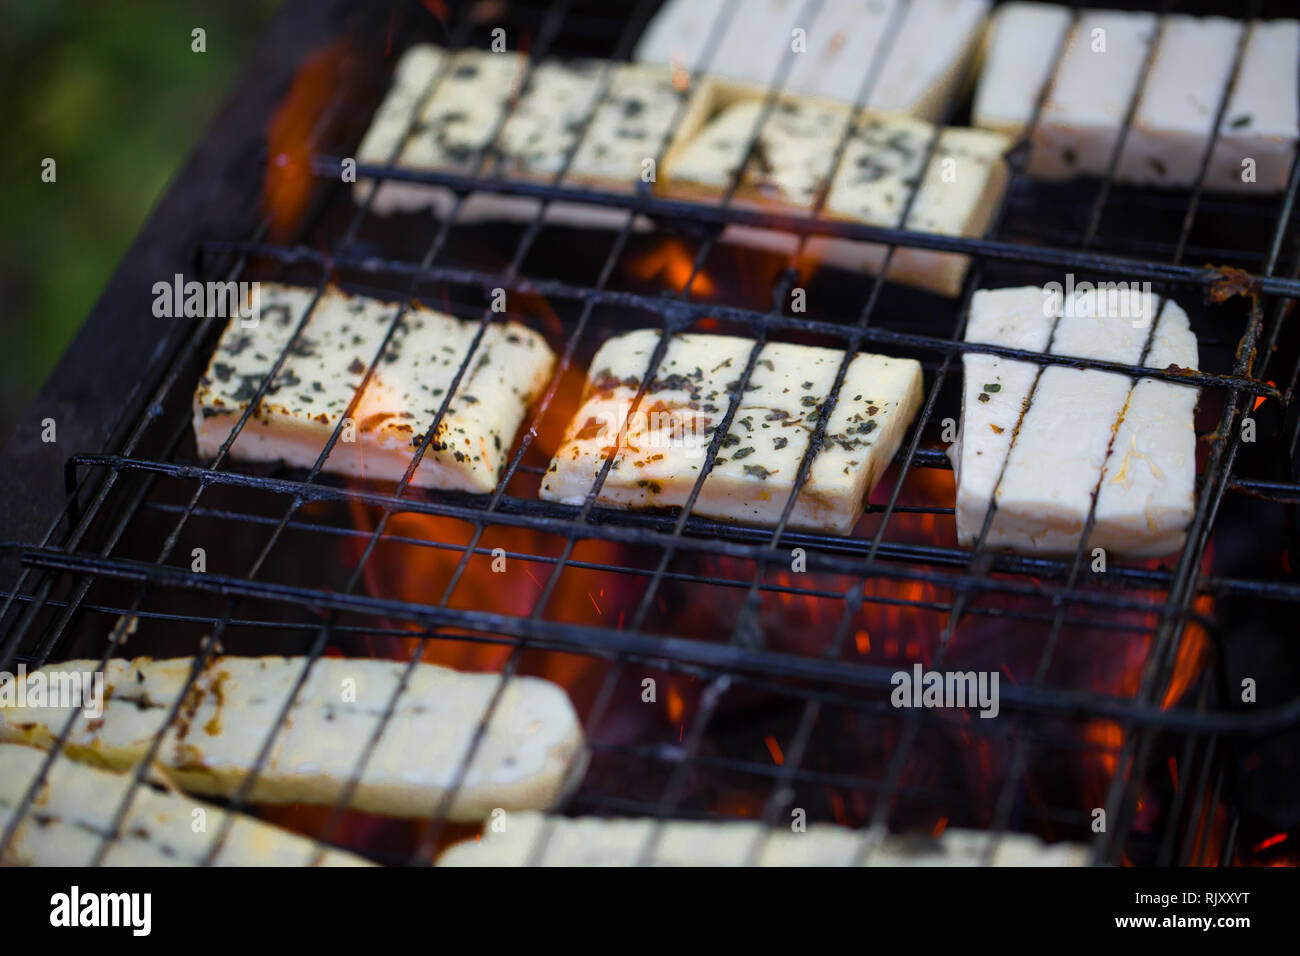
(109, 489)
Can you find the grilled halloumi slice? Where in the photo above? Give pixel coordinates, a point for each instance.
(610, 117)
(1148, 488)
(883, 164)
(325, 367)
(1096, 82)
(926, 56)
(594, 841)
(1262, 121)
(1100, 75)
(396, 114)
(1084, 431)
(1190, 72)
(73, 810)
(521, 763)
(994, 391)
(1021, 49)
(664, 448)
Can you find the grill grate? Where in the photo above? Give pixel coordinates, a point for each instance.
(146, 488)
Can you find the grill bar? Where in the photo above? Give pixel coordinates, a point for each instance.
(721, 667)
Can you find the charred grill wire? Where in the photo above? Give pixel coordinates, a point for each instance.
(112, 491)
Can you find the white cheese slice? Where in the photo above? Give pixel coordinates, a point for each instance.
(926, 62)
(74, 808)
(611, 122)
(786, 168)
(594, 841)
(680, 31)
(412, 80)
(1094, 86)
(1263, 114)
(959, 195)
(842, 46)
(1147, 496)
(663, 450)
(1023, 46)
(326, 366)
(1056, 458)
(1064, 439)
(521, 762)
(456, 121)
(878, 172)
(994, 391)
(1175, 116)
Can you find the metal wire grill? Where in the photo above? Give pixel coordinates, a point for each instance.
(120, 551)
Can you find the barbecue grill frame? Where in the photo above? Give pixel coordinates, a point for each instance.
(90, 479)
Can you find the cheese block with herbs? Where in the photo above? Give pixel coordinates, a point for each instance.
(530, 745)
(395, 117)
(73, 811)
(325, 366)
(662, 450)
(879, 170)
(523, 839)
(597, 122)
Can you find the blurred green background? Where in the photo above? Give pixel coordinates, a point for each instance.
(114, 94)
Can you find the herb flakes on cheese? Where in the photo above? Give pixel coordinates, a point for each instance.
(664, 448)
(879, 171)
(325, 367)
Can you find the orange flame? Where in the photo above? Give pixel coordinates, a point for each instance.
(671, 261)
(288, 186)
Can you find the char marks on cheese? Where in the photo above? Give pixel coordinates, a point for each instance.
(73, 810)
(521, 762)
(535, 838)
(325, 365)
(664, 448)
